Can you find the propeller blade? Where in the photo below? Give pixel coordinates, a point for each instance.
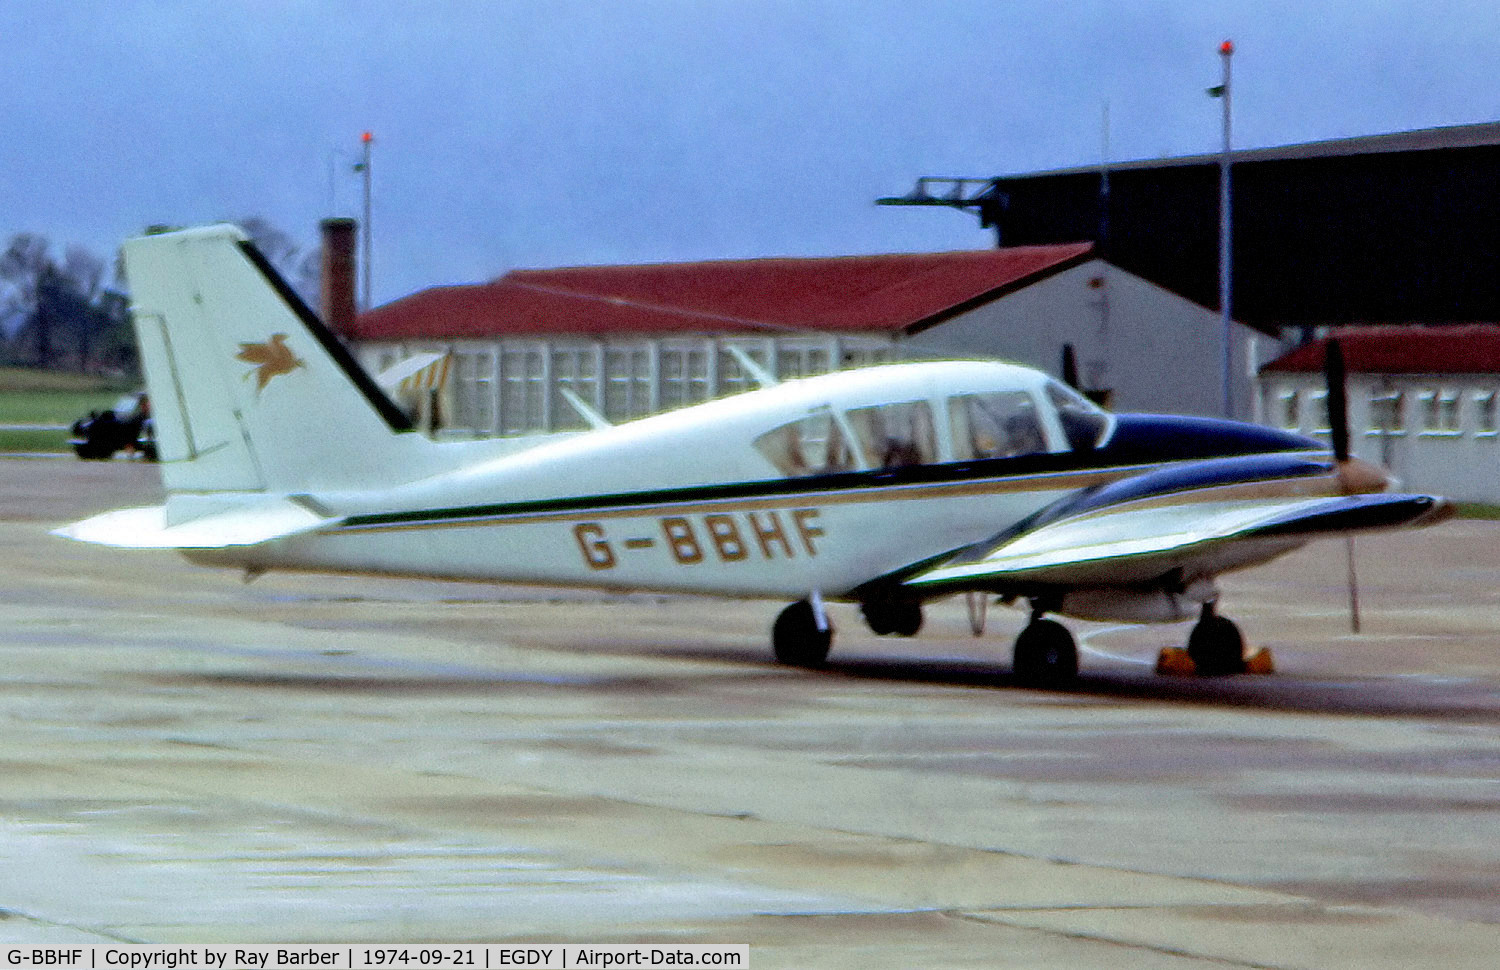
(1070, 367)
(1338, 399)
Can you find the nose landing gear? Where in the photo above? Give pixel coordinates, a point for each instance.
(802, 634)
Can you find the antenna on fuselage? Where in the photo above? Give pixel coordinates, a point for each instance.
(1070, 368)
(596, 420)
(758, 374)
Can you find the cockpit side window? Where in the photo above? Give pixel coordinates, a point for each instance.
(895, 435)
(1083, 424)
(814, 445)
(1002, 424)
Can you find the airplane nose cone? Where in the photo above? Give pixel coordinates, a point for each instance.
(1360, 477)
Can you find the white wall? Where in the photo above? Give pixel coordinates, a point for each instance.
(1154, 349)
(512, 386)
(1437, 433)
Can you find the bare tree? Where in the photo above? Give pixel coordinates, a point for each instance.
(62, 309)
(301, 267)
(26, 266)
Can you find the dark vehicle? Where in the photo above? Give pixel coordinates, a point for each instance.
(124, 427)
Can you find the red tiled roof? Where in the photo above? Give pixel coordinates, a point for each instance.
(1472, 348)
(842, 294)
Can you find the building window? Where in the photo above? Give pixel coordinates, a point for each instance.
(1387, 413)
(865, 357)
(1439, 411)
(1486, 420)
(1291, 410)
(474, 392)
(698, 388)
(673, 378)
(573, 369)
(732, 377)
(1317, 406)
(627, 383)
(802, 358)
(522, 387)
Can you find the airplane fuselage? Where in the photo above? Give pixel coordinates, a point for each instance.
(684, 502)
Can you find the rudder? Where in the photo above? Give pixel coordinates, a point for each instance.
(250, 392)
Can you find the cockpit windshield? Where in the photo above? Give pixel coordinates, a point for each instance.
(1084, 424)
(995, 424)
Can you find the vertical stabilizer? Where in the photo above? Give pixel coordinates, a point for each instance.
(249, 391)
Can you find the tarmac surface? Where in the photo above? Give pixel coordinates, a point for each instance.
(303, 758)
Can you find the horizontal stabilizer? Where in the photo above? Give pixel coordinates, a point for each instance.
(147, 528)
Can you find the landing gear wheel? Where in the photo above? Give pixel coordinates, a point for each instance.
(1216, 647)
(796, 639)
(1045, 655)
(903, 619)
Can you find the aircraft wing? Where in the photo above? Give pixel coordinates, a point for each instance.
(247, 525)
(1143, 541)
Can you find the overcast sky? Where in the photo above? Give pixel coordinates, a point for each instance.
(560, 132)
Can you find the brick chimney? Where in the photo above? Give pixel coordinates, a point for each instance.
(338, 276)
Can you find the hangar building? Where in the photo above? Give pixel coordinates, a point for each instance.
(1423, 401)
(1394, 228)
(633, 340)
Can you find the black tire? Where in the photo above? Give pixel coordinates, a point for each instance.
(1045, 655)
(885, 617)
(1216, 647)
(796, 639)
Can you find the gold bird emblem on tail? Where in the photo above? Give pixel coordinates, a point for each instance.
(271, 359)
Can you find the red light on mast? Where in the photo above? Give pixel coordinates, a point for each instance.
(1227, 47)
(367, 137)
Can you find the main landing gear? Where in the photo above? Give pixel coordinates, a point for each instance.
(900, 617)
(1045, 654)
(1216, 646)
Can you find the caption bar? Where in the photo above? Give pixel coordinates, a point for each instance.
(371, 956)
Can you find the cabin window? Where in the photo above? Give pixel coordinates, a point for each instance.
(1486, 419)
(895, 435)
(998, 425)
(1083, 424)
(814, 445)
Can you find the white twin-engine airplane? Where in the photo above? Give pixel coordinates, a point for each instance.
(885, 486)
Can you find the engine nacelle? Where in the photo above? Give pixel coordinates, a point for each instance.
(1139, 606)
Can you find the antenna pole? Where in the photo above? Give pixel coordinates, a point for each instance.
(368, 140)
(1226, 269)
